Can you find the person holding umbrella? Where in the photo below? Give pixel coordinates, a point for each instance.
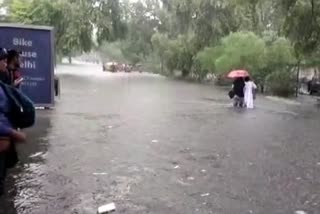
(238, 90)
(238, 87)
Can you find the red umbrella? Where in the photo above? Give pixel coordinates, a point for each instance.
(238, 73)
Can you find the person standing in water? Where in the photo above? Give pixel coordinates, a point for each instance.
(238, 89)
(8, 134)
(249, 90)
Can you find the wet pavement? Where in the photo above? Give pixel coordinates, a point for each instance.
(158, 146)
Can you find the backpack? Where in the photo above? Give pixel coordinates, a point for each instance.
(22, 112)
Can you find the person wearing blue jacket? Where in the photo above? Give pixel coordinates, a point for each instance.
(7, 133)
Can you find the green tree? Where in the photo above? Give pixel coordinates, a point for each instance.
(241, 50)
(72, 32)
(280, 54)
(212, 21)
(111, 51)
(280, 57)
(160, 45)
(207, 58)
(107, 16)
(172, 55)
(281, 83)
(142, 23)
(77, 35)
(74, 21)
(302, 25)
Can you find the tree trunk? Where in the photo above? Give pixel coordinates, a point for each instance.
(262, 88)
(59, 58)
(298, 83)
(161, 65)
(254, 16)
(70, 59)
(184, 72)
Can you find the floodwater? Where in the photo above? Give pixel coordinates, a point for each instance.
(159, 146)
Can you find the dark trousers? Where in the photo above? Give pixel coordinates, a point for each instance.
(238, 101)
(3, 171)
(8, 160)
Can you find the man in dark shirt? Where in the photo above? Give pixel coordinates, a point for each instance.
(3, 77)
(238, 89)
(15, 79)
(9, 158)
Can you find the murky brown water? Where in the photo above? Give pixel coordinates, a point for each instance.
(153, 145)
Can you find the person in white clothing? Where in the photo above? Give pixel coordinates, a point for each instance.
(249, 91)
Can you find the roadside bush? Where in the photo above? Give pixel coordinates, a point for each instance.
(111, 52)
(151, 64)
(222, 80)
(241, 50)
(281, 83)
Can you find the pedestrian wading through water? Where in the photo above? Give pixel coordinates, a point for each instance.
(16, 112)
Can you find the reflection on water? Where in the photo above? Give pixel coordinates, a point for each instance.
(95, 70)
(25, 181)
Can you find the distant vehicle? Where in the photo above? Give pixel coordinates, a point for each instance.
(128, 68)
(110, 66)
(314, 87)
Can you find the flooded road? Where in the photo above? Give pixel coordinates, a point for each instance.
(158, 146)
